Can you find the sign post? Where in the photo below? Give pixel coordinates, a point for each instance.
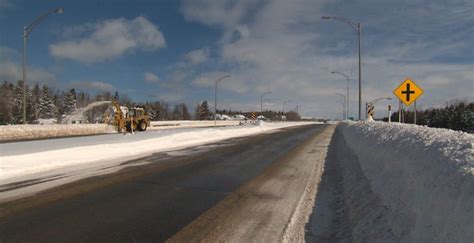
(407, 92)
(389, 114)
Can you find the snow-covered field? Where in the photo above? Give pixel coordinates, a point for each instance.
(28, 160)
(423, 177)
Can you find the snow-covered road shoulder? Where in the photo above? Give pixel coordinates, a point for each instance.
(19, 165)
(424, 177)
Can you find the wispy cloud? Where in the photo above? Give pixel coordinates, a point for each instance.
(109, 39)
(94, 86)
(197, 56)
(11, 69)
(151, 77)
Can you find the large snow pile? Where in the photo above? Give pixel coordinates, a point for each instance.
(25, 163)
(423, 176)
(22, 132)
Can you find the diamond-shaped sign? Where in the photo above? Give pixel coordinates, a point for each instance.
(408, 92)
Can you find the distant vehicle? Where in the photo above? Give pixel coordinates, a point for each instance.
(126, 119)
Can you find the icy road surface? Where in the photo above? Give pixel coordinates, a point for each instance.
(68, 159)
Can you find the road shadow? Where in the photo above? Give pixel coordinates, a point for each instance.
(346, 208)
(327, 222)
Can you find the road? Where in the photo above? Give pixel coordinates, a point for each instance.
(206, 194)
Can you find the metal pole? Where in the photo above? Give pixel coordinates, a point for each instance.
(399, 111)
(261, 105)
(24, 72)
(347, 104)
(414, 115)
(360, 74)
(403, 114)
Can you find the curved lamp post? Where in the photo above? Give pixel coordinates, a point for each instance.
(26, 31)
(357, 27)
(372, 102)
(215, 96)
(347, 92)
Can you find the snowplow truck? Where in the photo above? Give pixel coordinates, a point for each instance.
(133, 119)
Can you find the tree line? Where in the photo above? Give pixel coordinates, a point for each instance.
(459, 116)
(43, 102)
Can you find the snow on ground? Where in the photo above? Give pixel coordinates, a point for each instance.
(186, 123)
(22, 161)
(421, 178)
(49, 130)
(22, 132)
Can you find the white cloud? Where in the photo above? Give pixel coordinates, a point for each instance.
(5, 4)
(11, 71)
(225, 13)
(109, 39)
(151, 78)
(92, 86)
(285, 47)
(197, 56)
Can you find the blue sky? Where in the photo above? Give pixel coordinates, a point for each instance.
(173, 50)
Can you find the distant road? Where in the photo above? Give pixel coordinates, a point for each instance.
(153, 202)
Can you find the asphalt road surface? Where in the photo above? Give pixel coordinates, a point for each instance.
(178, 194)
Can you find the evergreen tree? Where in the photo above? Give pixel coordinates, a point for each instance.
(204, 113)
(116, 96)
(16, 102)
(6, 92)
(47, 109)
(70, 102)
(36, 97)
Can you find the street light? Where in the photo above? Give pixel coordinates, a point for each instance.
(261, 101)
(347, 93)
(343, 105)
(26, 31)
(372, 102)
(215, 97)
(357, 27)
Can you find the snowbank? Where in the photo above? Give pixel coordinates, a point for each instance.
(22, 132)
(16, 165)
(424, 178)
(186, 123)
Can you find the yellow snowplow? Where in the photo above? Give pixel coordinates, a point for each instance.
(127, 119)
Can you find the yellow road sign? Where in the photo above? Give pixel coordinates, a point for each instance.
(408, 92)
